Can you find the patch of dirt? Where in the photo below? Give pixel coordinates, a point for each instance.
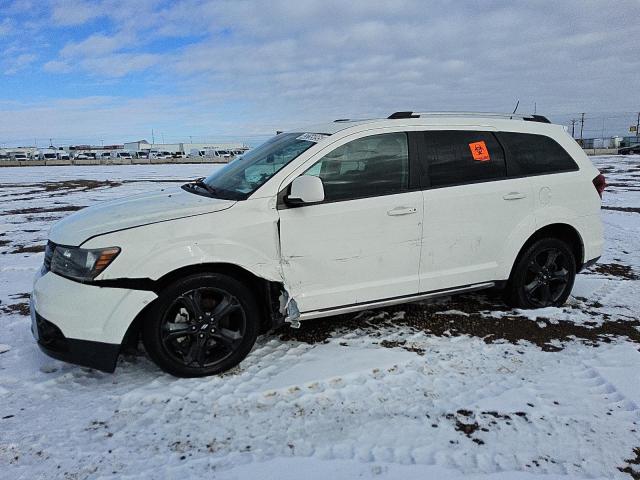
(65, 208)
(622, 209)
(28, 249)
(615, 270)
(21, 308)
(441, 320)
(64, 187)
(472, 423)
(402, 344)
(4, 242)
(633, 465)
(20, 296)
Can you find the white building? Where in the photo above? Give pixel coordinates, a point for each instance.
(138, 146)
(143, 145)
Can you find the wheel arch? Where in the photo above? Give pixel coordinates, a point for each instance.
(267, 294)
(562, 231)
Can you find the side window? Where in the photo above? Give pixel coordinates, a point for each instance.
(529, 154)
(454, 157)
(370, 166)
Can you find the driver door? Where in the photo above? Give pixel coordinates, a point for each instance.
(362, 243)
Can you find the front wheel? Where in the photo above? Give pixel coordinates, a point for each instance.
(201, 325)
(543, 276)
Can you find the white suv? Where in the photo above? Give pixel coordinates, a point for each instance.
(335, 218)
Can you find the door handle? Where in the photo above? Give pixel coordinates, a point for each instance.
(402, 211)
(514, 196)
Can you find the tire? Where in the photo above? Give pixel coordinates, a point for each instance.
(543, 275)
(201, 325)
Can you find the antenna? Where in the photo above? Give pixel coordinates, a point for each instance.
(517, 104)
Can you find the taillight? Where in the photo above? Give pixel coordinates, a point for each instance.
(600, 183)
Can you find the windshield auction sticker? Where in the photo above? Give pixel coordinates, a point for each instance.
(312, 137)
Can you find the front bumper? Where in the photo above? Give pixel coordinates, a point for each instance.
(83, 324)
(98, 355)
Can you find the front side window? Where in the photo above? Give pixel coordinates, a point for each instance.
(455, 157)
(243, 176)
(530, 154)
(370, 166)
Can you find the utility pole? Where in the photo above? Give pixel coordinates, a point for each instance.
(573, 127)
(637, 126)
(581, 125)
(153, 138)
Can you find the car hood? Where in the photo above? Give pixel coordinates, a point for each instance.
(134, 211)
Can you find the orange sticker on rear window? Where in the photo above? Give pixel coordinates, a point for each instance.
(479, 151)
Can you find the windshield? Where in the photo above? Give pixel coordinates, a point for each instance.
(243, 176)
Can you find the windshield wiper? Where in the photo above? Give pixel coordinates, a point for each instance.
(198, 185)
(199, 182)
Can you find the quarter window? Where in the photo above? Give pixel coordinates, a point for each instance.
(370, 166)
(455, 157)
(529, 154)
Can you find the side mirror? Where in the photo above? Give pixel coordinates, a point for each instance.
(304, 190)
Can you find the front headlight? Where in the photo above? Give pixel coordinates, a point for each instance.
(80, 263)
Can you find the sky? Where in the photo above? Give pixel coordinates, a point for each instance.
(90, 71)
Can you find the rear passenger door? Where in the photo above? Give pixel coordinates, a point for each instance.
(471, 208)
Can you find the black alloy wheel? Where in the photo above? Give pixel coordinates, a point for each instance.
(546, 278)
(543, 275)
(202, 325)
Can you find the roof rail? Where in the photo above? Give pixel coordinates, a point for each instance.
(510, 116)
(403, 115)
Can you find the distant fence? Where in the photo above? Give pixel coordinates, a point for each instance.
(106, 161)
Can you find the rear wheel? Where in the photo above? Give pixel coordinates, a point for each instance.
(543, 276)
(201, 325)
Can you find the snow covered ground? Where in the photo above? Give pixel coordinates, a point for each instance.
(464, 388)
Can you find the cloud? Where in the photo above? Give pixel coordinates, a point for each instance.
(95, 45)
(93, 118)
(19, 63)
(6, 27)
(74, 12)
(120, 64)
(56, 66)
(326, 58)
(247, 65)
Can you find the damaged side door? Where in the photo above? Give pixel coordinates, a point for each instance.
(362, 243)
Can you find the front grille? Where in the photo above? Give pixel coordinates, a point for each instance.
(48, 253)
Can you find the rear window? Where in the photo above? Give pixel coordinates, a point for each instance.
(529, 154)
(455, 157)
